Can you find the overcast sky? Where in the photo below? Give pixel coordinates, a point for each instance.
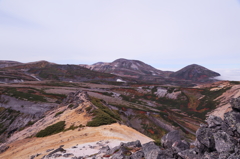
(167, 34)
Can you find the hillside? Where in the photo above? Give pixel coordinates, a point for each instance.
(142, 72)
(5, 63)
(194, 73)
(43, 70)
(128, 68)
(75, 112)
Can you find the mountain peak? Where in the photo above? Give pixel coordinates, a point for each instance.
(194, 72)
(127, 68)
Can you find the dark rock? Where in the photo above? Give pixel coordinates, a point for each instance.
(3, 148)
(105, 149)
(68, 155)
(137, 155)
(180, 146)
(224, 142)
(60, 149)
(132, 144)
(167, 154)
(232, 123)
(189, 154)
(121, 153)
(235, 155)
(113, 150)
(151, 151)
(214, 121)
(205, 137)
(200, 147)
(56, 155)
(235, 103)
(211, 155)
(224, 155)
(32, 157)
(48, 150)
(171, 137)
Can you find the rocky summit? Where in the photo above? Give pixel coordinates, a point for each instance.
(218, 139)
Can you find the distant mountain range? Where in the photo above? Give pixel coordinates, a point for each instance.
(118, 70)
(138, 69)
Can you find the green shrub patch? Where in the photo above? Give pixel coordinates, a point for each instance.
(52, 129)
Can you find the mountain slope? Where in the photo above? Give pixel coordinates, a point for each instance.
(77, 112)
(43, 70)
(5, 63)
(128, 68)
(194, 72)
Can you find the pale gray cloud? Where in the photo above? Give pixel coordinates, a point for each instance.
(166, 34)
(229, 74)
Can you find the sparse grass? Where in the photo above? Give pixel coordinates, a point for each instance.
(72, 127)
(52, 129)
(97, 102)
(101, 118)
(13, 92)
(71, 106)
(88, 109)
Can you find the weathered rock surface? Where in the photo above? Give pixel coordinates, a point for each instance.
(168, 139)
(235, 103)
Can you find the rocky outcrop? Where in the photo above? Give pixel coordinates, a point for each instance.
(75, 98)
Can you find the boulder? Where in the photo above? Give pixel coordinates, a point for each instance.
(205, 136)
(224, 142)
(235, 103)
(189, 154)
(178, 146)
(137, 155)
(151, 151)
(171, 137)
(214, 121)
(104, 149)
(60, 149)
(232, 123)
(132, 144)
(121, 153)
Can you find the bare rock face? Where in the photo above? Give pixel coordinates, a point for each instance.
(75, 98)
(168, 139)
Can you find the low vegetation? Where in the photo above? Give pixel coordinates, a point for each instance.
(52, 129)
(58, 113)
(13, 92)
(103, 115)
(101, 118)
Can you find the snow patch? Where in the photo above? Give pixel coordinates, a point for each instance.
(120, 80)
